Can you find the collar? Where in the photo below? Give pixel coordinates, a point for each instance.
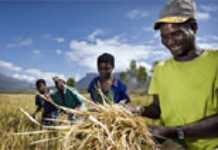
(65, 90)
(114, 82)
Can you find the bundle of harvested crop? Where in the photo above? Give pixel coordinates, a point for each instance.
(103, 127)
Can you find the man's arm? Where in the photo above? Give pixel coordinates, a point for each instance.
(204, 128)
(91, 91)
(39, 105)
(36, 111)
(152, 111)
(92, 95)
(79, 97)
(124, 93)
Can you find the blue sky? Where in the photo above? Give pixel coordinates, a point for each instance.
(40, 39)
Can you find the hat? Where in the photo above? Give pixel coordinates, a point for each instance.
(176, 11)
(56, 78)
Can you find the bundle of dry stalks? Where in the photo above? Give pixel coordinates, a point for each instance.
(100, 127)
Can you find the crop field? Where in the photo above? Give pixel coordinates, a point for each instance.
(12, 121)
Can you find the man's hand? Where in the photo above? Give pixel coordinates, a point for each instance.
(134, 109)
(77, 108)
(33, 115)
(48, 97)
(164, 132)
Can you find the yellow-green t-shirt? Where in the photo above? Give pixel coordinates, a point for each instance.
(188, 91)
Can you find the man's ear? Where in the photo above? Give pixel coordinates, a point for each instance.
(194, 27)
(192, 24)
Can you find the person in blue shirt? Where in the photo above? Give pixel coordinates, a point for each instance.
(105, 86)
(48, 110)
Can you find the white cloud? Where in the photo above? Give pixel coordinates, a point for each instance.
(214, 37)
(36, 73)
(156, 35)
(203, 16)
(26, 42)
(53, 38)
(207, 38)
(58, 51)
(36, 52)
(59, 39)
(24, 77)
(148, 29)
(9, 66)
(209, 8)
(28, 74)
(137, 14)
(87, 52)
(208, 45)
(94, 34)
(206, 11)
(208, 41)
(142, 63)
(20, 42)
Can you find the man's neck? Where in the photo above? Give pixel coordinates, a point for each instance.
(105, 80)
(61, 91)
(190, 55)
(106, 84)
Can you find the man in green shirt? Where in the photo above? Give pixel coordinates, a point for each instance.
(66, 96)
(184, 87)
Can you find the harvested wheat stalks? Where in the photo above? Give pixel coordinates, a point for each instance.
(103, 127)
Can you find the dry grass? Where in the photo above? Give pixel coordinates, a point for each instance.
(106, 127)
(13, 120)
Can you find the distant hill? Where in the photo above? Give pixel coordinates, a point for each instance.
(12, 84)
(132, 83)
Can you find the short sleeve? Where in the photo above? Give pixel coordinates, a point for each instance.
(38, 101)
(80, 99)
(124, 92)
(216, 79)
(153, 86)
(91, 91)
(216, 83)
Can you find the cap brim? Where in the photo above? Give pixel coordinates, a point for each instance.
(57, 79)
(171, 19)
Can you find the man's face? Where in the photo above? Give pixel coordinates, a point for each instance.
(59, 84)
(178, 38)
(42, 88)
(105, 70)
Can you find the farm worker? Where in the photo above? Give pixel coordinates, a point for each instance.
(106, 84)
(67, 96)
(184, 87)
(49, 111)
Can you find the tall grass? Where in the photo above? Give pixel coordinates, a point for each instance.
(12, 120)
